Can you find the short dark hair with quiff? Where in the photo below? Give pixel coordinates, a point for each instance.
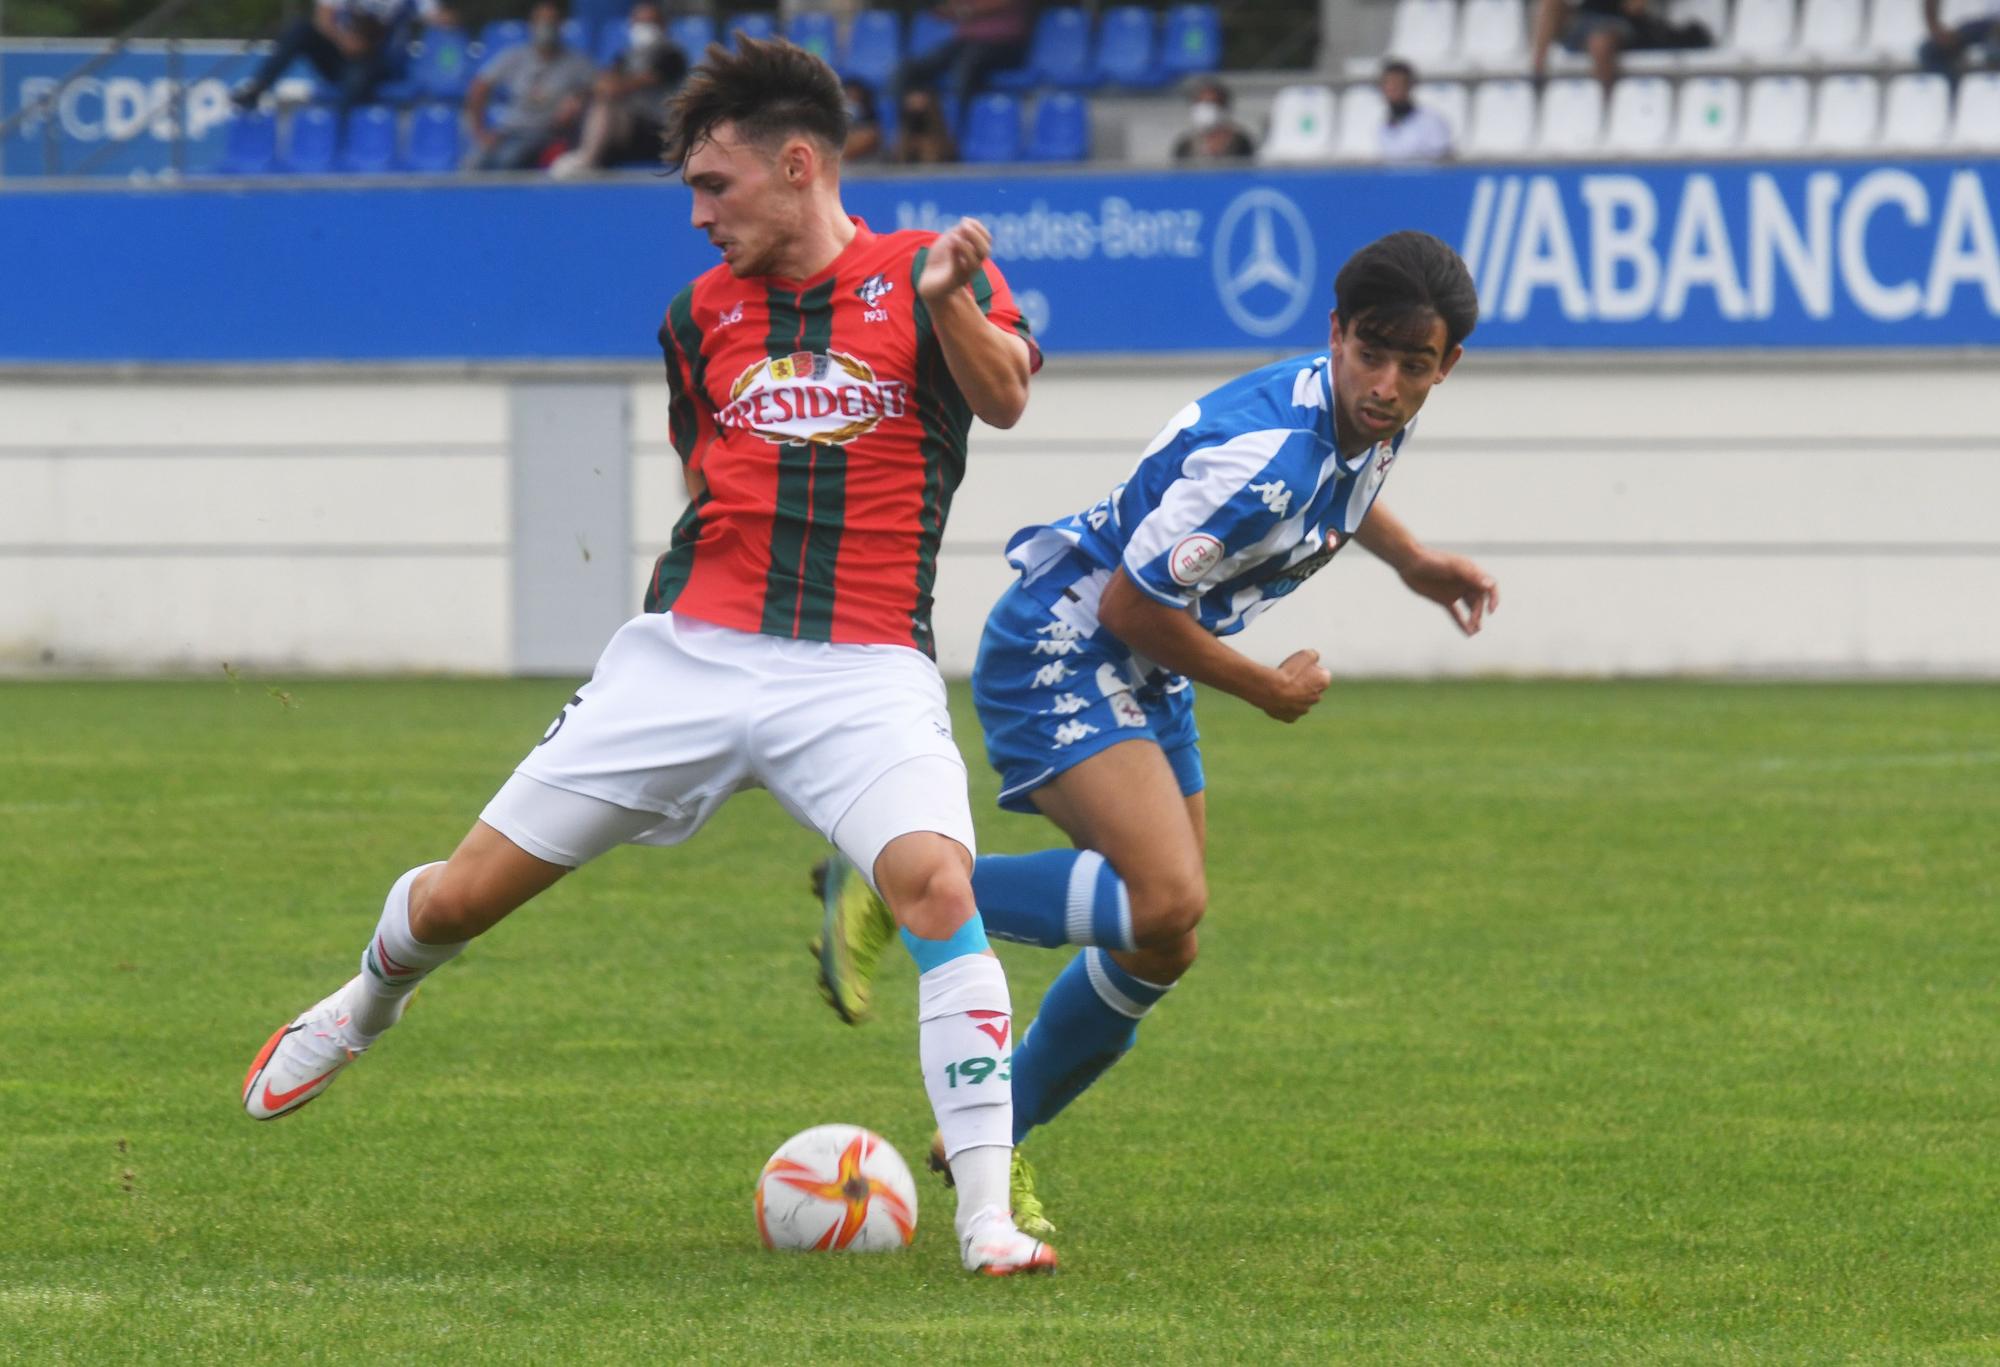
(767, 90)
(1392, 290)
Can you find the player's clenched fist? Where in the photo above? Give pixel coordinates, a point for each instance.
(1296, 685)
(955, 258)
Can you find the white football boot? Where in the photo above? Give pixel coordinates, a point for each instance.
(993, 1246)
(300, 1062)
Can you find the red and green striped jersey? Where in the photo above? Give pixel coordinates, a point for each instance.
(825, 438)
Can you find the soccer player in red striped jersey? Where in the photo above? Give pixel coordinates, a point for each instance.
(823, 380)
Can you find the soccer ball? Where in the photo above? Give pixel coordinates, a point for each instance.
(836, 1186)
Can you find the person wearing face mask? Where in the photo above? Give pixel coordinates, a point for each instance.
(543, 87)
(1410, 132)
(627, 115)
(1212, 135)
(922, 136)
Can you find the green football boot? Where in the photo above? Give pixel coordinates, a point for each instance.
(855, 927)
(1029, 1217)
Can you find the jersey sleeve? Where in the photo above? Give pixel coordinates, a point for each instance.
(690, 417)
(1228, 497)
(996, 301)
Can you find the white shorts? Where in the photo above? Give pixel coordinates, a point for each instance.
(853, 740)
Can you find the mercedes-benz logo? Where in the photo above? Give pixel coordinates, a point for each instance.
(1264, 286)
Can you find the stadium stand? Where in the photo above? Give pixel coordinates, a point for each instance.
(1825, 77)
(753, 24)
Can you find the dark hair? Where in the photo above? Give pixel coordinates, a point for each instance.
(1389, 292)
(767, 90)
(1208, 85)
(1396, 66)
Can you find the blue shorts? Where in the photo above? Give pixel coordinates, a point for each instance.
(1049, 699)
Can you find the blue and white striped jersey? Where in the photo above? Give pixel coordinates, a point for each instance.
(1239, 499)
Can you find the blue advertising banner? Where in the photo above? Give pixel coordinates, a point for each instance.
(120, 120)
(1722, 255)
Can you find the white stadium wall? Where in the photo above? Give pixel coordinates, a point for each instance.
(1812, 515)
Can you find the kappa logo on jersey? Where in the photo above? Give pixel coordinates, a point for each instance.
(1275, 495)
(1072, 731)
(1068, 704)
(1193, 557)
(1049, 675)
(871, 291)
(828, 397)
(724, 317)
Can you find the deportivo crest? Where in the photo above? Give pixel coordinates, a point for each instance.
(827, 397)
(873, 288)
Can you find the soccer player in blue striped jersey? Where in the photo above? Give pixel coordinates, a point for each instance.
(1086, 671)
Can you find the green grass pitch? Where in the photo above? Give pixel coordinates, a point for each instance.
(1535, 1023)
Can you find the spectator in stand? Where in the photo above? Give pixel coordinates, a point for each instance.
(543, 84)
(864, 130)
(1948, 48)
(1409, 131)
(1604, 28)
(1212, 134)
(628, 107)
(990, 36)
(922, 137)
(353, 44)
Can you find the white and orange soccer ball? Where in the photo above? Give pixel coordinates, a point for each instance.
(836, 1186)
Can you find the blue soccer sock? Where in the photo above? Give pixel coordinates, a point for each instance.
(1056, 897)
(1087, 1022)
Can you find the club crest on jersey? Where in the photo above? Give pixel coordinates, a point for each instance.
(827, 397)
(871, 291)
(734, 314)
(1194, 556)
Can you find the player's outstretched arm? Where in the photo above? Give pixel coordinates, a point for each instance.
(1453, 582)
(1171, 637)
(990, 365)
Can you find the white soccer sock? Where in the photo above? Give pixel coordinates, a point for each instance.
(965, 1037)
(395, 961)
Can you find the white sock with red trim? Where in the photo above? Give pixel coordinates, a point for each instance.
(394, 962)
(965, 1037)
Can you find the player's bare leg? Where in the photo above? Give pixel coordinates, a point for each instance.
(430, 915)
(965, 1025)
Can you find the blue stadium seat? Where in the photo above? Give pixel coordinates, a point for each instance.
(992, 129)
(1059, 54)
(315, 135)
(754, 24)
(1125, 51)
(500, 35)
(444, 69)
(692, 33)
(433, 140)
(928, 33)
(1192, 42)
(1062, 128)
(250, 147)
(576, 34)
(874, 47)
(369, 148)
(815, 31)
